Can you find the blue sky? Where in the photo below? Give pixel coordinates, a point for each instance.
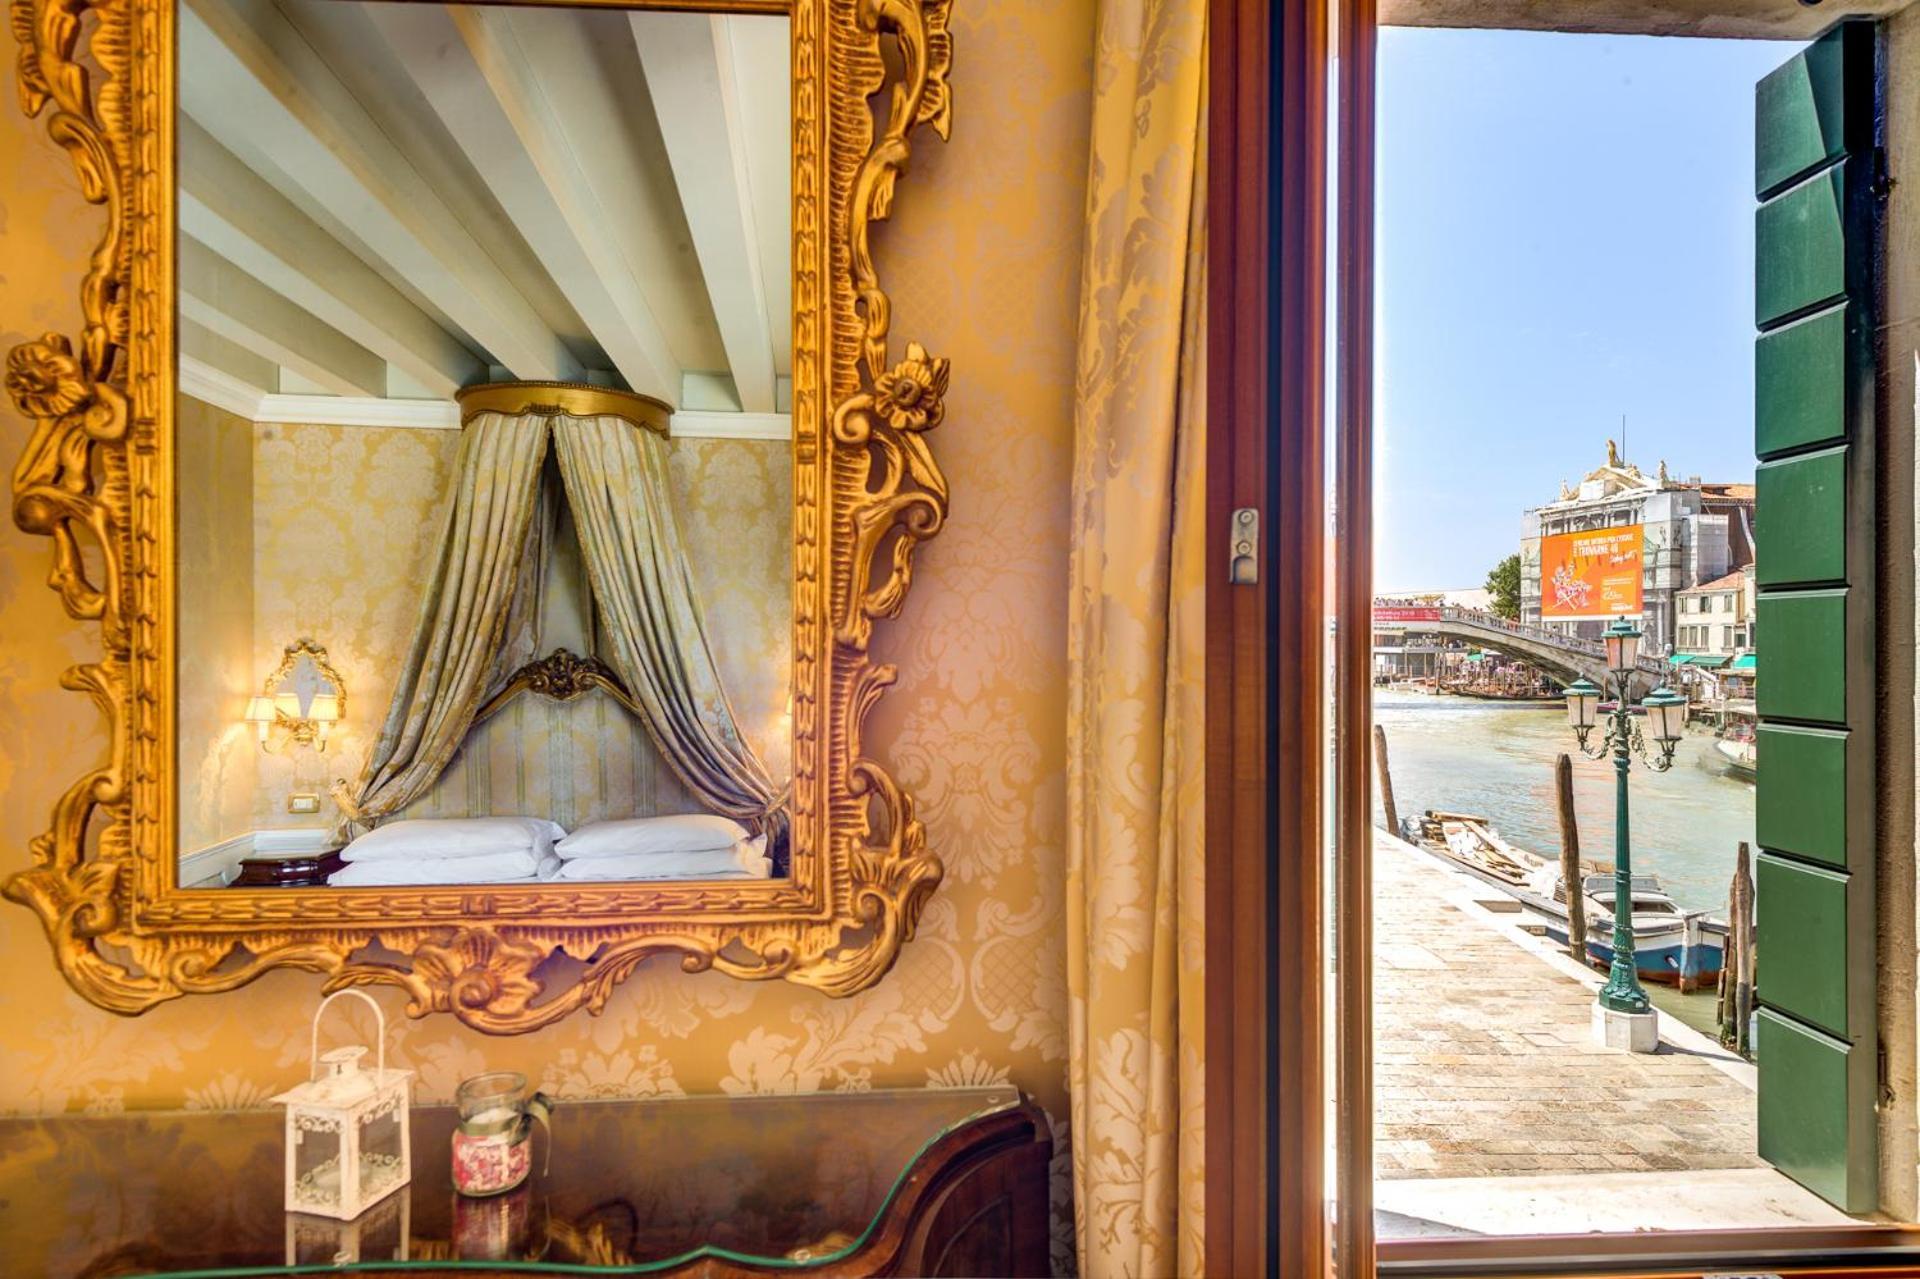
(1565, 235)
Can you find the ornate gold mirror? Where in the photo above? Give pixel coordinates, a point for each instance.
(529, 362)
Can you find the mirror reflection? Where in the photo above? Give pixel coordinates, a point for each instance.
(484, 531)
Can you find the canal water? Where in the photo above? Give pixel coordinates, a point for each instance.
(1496, 761)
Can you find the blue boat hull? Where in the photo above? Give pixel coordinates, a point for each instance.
(1658, 963)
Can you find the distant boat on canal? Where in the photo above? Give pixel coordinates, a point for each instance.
(1738, 742)
(1670, 945)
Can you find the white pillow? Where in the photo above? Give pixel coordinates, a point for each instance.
(683, 833)
(425, 838)
(483, 868)
(744, 860)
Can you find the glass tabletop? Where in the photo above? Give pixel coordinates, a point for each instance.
(785, 1182)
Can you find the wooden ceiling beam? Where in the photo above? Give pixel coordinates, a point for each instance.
(231, 209)
(688, 59)
(220, 297)
(471, 68)
(253, 83)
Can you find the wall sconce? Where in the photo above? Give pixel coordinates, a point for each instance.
(300, 702)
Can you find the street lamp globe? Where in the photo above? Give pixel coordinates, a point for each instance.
(1583, 703)
(1623, 646)
(1666, 717)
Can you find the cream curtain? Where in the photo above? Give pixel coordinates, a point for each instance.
(1136, 731)
(622, 501)
(472, 621)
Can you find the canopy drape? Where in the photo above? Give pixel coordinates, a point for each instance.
(479, 620)
(618, 489)
(469, 606)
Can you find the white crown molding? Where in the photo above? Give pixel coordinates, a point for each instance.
(342, 410)
(700, 425)
(223, 391)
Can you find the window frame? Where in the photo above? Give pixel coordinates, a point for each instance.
(1863, 1248)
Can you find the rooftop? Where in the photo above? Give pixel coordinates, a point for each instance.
(1734, 579)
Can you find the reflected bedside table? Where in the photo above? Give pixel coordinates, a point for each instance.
(305, 869)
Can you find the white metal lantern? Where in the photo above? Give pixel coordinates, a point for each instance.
(348, 1145)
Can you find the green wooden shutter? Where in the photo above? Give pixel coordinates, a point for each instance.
(1817, 162)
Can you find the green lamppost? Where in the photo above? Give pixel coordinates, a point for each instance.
(1666, 713)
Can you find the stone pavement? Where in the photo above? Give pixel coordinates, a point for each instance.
(1484, 1059)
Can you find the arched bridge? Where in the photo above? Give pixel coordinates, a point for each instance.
(1560, 656)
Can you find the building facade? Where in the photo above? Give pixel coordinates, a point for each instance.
(1692, 533)
(1715, 619)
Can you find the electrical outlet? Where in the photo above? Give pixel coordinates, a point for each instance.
(303, 803)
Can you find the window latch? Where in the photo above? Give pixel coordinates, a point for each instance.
(1243, 547)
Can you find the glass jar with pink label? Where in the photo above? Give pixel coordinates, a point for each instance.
(493, 1144)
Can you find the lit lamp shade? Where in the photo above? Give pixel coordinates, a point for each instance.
(260, 714)
(1666, 714)
(1623, 646)
(1583, 703)
(324, 711)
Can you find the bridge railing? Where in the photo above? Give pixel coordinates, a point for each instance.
(1541, 635)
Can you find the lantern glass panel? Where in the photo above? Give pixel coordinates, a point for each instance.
(1623, 647)
(1582, 698)
(1665, 711)
(382, 1155)
(317, 1142)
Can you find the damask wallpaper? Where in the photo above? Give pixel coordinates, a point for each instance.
(219, 757)
(983, 256)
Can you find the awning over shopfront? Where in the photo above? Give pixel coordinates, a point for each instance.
(1706, 661)
(1745, 664)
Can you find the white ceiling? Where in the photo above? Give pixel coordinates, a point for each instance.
(384, 200)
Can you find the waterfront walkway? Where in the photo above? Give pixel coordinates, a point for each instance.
(1485, 1063)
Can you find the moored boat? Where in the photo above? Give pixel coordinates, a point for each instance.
(1670, 945)
(1673, 946)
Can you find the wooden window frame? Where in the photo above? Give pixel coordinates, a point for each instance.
(1266, 718)
(1268, 652)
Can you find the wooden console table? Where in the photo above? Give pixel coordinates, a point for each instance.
(921, 1182)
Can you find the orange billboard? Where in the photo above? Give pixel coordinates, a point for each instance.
(1592, 575)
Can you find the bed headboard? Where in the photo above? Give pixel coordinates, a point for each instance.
(562, 676)
(574, 751)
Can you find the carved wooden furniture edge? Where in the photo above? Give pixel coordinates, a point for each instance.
(96, 474)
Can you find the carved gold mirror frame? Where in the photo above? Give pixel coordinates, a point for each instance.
(97, 478)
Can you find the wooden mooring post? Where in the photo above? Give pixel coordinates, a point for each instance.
(1570, 860)
(1737, 967)
(1742, 925)
(1386, 779)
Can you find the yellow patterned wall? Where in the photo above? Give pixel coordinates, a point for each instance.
(736, 524)
(219, 757)
(344, 528)
(982, 256)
